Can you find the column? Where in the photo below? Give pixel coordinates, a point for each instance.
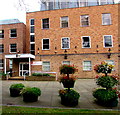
(5, 66)
(29, 67)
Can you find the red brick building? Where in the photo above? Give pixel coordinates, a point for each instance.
(82, 36)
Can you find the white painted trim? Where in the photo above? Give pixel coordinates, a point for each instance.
(5, 65)
(42, 43)
(104, 41)
(61, 43)
(82, 41)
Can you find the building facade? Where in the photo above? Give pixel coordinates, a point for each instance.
(82, 36)
(12, 41)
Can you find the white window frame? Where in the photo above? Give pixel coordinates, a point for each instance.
(66, 63)
(10, 63)
(10, 48)
(62, 44)
(104, 41)
(61, 22)
(42, 24)
(2, 64)
(49, 43)
(2, 48)
(110, 19)
(89, 41)
(46, 65)
(87, 66)
(2, 34)
(30, 21)
(88, 21)
(10, 32)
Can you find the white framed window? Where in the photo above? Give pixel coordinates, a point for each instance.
(32, 26)
(87, 65)
(45, 23)
(86, 42)
(1, 63)
(108, 41)
(111, 62)
(1, 48)
(45, 44)
(32, 38)
(106, 19)
(32, 48)
(65, 43)
(85, 20)
(66, 62)
(13, 33)
(13, 48)
(10, 63)
(45, 66)
(32, 22)
(64, 21)
(1, 34)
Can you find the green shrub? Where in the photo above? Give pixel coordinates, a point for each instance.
(107, 81)
(17, 86)
(32, 91)
(104, 95)
(41, 74)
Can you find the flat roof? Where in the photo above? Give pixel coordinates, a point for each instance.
(9, 21)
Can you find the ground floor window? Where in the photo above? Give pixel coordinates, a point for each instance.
(1, 64)
(111, 62)
(46, 66)
(66, 62)
(87, 65)
(10, 63)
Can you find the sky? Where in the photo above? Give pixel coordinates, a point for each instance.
(9, 9)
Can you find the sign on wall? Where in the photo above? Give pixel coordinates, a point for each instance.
(36, 63)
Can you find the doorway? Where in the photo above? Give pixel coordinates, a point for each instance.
(24, 69)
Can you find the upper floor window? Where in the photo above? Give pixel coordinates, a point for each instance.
(10, 63)
(13, 48)
(1, 33)
(84, 20)
(46, 44)
(1, 64)
(108, 41)
(32, 22)
(87, 65)
(86, 42)
(64, 22)
(13, 33)
(32, 48)
(32, 38)
(65, 43)
(1, 48)
(46, 66)
(106, 19)
(45, 23)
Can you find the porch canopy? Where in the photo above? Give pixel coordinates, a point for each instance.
(19, 56)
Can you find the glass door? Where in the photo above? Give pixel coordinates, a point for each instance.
(23, 69)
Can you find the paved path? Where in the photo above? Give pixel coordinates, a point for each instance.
(49, 96)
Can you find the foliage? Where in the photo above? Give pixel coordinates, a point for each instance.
(32, 91)
(70, 94)
(17, 86)
(41, 74)
(107, 81)
(103, 68)
(67, 69)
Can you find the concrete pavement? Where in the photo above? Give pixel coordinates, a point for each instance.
(49, 96)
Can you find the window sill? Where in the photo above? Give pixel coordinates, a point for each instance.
(107, 24)
(13, 37)
(87, 70)
(45, 28)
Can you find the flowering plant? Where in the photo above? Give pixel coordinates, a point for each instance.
(103, 68)
(67, 69)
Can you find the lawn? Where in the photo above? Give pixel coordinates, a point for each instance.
(30, 110)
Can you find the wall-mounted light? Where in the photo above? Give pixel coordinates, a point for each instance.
(38, 51)
(65, 54)
(109, 53)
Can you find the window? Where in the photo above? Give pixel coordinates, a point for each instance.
(13, 33)
(86, 42)
(1, 48)
(64, 22)
(32, 38)
(1, 33)
(10, 63)
(87, 66)
(66, 62)
(32, 22)
(45, 44)
(108, 41)
(46, 66)
(45, 23)
(84, 20)
(1, 64)
(32, 28)
(32, 49)
(65, 43)
(106, 19)
(111, 62)
(13, 48)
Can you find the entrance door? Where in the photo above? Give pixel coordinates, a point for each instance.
(23, 69)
